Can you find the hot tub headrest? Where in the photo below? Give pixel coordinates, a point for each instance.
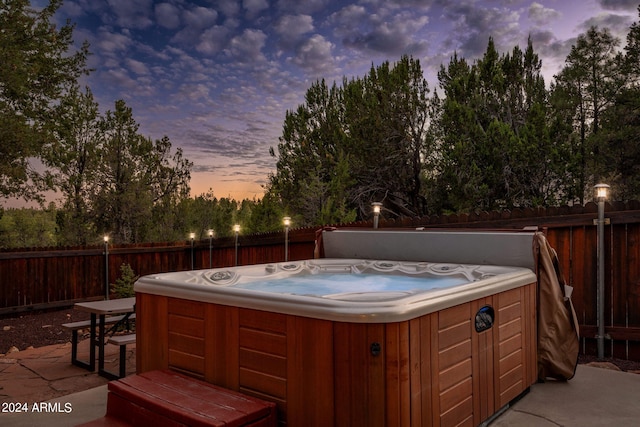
(462, 247)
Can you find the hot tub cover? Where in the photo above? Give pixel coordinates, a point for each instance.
(558, 334)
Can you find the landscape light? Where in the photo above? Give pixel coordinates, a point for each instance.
(210, 248)
(377, 206)
(287, 222)
(236, 228)
(601, 196)
(106, 266)
(192, 236)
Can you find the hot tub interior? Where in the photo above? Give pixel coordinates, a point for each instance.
(338, 276)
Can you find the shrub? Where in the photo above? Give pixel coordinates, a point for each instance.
(123, 287)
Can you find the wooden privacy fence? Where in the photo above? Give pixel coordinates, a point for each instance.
(38, 278)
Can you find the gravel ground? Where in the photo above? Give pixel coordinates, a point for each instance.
(37, 329)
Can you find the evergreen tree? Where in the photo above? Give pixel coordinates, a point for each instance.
(619, 137)
(73, 160)
(386, 122)
(351, 145)
(593, 75)
(37, 67)
(136, 178)
(495, 146)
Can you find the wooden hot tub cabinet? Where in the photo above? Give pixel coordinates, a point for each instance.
(434, 370)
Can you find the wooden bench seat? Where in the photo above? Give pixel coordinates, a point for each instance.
(82, 324)
(167, 398)
(74, 327)
(122, 341)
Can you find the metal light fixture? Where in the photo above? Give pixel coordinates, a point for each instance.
(287, 223)
(210, 248)
(377, 206)
(106, 266)
(602, 191)
(192, 236)
(236, 229)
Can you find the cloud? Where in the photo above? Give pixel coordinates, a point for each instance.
(199, 17)
(119, 77)
(167, 16)
(347, 16)
(617, 24)
(213, 40)
(549, 47)
(254, 7)
(131, 14)
(230, 8)
(247, 47)
(137, 67)
(541, 15)
(315, 55)
(625, 5)
(194, 22)
(111, 43)
(294, 26)
(388, 31)
(302, 6)
(70, 8)
(474, 25)
(152, 53)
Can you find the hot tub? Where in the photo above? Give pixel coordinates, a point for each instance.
(349, 341)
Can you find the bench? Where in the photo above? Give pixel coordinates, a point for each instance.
(168, 398)
(74, 327)
(122, 341)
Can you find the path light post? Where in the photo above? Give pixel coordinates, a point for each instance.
(376, 213)
(106, 267)
(287, 224)
(192, 236)
(210, 248)
(601, 196)
(236, 229)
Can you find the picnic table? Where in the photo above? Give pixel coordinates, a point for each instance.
(99, 311)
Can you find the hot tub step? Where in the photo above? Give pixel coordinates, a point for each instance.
(167, 398)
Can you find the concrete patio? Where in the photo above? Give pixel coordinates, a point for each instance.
(40, 375)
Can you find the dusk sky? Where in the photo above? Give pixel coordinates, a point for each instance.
(217, 77)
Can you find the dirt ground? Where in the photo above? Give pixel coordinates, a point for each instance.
(37, 329)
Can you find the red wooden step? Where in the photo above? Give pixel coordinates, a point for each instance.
(172, 399)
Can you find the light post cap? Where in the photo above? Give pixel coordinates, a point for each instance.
(377, 206)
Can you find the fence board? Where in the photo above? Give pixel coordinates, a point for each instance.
(618, 273)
